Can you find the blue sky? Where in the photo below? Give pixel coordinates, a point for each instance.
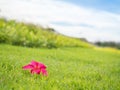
(106, 5)
(95, 20)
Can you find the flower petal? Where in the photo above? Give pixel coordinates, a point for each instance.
(29, 66)
(41, 65)
(38, 64)
(44, 72)
(32, 71)
(37, 71)
(34, 63)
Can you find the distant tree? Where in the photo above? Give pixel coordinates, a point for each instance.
(108, 44)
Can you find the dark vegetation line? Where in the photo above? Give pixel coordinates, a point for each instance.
(108, 44)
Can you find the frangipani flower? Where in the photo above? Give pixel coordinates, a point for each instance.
(36, 67)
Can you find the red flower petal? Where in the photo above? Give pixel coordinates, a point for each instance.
(29, 66)
(34, 63)
(44, 72)
(35, 71)
(38, 64)
(41, 65)
(32, 71)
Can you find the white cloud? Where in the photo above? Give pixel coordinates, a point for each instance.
(105, 25)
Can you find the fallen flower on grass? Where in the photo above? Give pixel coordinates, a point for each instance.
(36, 67)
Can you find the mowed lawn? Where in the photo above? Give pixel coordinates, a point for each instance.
(68, 69)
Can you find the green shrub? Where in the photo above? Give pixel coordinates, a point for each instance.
(29, 35)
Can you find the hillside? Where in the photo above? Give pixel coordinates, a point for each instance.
(24, 34)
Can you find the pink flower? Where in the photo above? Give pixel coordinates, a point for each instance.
(36, 67)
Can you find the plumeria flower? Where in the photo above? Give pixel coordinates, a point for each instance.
(36, 67)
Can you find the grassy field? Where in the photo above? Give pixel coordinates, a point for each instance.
(68, 68)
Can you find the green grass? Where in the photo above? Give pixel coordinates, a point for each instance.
(68, 69)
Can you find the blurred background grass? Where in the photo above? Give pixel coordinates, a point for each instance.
(29, 35)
